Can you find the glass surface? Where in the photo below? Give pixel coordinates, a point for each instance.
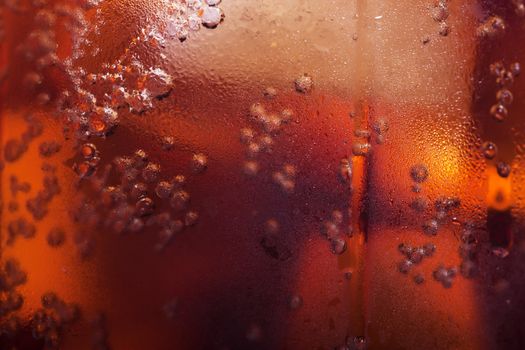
(262, 174)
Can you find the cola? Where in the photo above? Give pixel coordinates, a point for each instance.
(292, 174)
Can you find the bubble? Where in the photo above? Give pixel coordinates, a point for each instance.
(431, 227)
(157, 82)
(179, 200)
(138, 190)
(504, 96)
(56, 237)
(348, 275)
(419, 173)
(405, 266)
(20, 227)
(167, 143)
(247, 135)
(444, 276)
(304, 83)
(88, 151)
(497, 69)
(151, 172)
(140, 158)
(257, 112)
(500, 252)
(271, 226)
(178, 181)
(211, 16)
(47, 149)
(14, 149)
(439, 12)
(444, 29)
(337, 246)
(199, 162)
(102, 121)
(419, 279)
(296, 301)
(270, 92)
(144, 206)
(345, 170)
(416, 255)
(251, 168)
(362, 133)
(191, 218)
(489, 150)
(503, 169)
(361, 149)
(515, 67)
(164, 189)
(468, 269)
(429, 249)
(135, 225)
(491, 27)
(286, 115)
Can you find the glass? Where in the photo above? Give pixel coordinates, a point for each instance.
(262, 174)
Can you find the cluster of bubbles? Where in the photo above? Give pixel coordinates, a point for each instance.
(15, 148)
(440, 13)
(468, 248)
(491, 27)
(260, 139)
(142, 198)
(335, 230)
(414, 256)
(504, 78)
(49, 322)
(445, 275)
(189, 16)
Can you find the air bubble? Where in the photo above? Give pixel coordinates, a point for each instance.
(144, 206)
(251, 168)
(431, 227)
(164, 189)
(167, 143)
(56, 237)
(503, 169)
(151, 172)
(179, 200)
(361, 149)
(499, 112)
(303, 84)
(199, 162)
(337, 246)
(211, 16)
(489, 150)
(191, 218)
(419, 173)
(88, 151)
(505, 97)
